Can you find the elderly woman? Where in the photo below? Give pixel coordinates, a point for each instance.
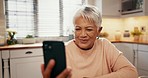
(90, 57)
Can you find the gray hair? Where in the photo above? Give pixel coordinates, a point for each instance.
(90, 13)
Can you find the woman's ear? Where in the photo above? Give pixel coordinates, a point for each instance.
(99, 30)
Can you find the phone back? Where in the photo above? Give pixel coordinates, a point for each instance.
(55, 50)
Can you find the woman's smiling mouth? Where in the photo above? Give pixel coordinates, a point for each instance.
(84, 41)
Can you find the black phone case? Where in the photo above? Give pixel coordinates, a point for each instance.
(55, 50)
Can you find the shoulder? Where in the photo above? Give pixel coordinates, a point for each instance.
(69, 43)
(103, 41)
(107, 46)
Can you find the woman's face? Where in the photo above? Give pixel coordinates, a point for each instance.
(85, 33)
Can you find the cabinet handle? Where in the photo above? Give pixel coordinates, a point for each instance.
(28, 52)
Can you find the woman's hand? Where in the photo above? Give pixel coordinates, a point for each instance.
(46, 73)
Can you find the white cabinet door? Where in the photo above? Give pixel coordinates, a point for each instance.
(0, 65)
(111, 8)
(143, 63)
(26, 67)
(108, 8)
(20, 53)
(135, 49)
(143, 60)
(25, 63)
(127, 50)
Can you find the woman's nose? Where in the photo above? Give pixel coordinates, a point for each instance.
(83, 33)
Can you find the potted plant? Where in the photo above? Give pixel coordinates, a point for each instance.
(11, 39)
(29, 39)
(136, 34)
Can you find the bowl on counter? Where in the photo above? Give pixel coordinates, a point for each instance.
(29, 40)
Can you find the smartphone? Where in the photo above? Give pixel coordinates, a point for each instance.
(54, 50)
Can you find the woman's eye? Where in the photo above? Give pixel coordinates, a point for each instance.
(77, 29)
(89, 29)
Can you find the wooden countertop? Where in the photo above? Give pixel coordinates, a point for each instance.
(21, 46)
(128, 41)
(39, 45)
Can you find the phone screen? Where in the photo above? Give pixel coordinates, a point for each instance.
(55, 50)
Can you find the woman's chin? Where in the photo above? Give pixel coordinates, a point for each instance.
(84, 47)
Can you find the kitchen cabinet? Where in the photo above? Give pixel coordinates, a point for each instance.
(22, 63)
(142, 60)
(26, 67)
(142, 11)
(111, 8)
(127, 50)
(0, 65)
(135, 49)
(136, 54)
(108, 8)
(25, 63)
(5, 59)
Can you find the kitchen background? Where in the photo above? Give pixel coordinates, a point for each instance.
(115, 22)
(111, 23)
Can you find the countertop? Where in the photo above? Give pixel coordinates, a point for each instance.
(21, 46)
(129, 41)
(39, 45)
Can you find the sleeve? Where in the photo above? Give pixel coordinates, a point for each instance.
(119, 65)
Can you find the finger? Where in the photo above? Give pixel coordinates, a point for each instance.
(49, 68)
(42, 68)
(70, 75)
(65, 73)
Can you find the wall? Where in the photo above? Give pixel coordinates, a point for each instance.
(131, 22)
(110, 25)
(2, 23)
(142, 21)
(2, 27)
(91, 2)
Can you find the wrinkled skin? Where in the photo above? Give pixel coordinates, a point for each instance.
(85, 33)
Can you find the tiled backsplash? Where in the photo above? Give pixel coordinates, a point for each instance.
(130, 23)
(110, 25)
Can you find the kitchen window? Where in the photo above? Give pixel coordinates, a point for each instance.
(20, 16)
(41, 18)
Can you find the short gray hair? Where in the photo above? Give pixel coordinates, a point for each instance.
(90, 13)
